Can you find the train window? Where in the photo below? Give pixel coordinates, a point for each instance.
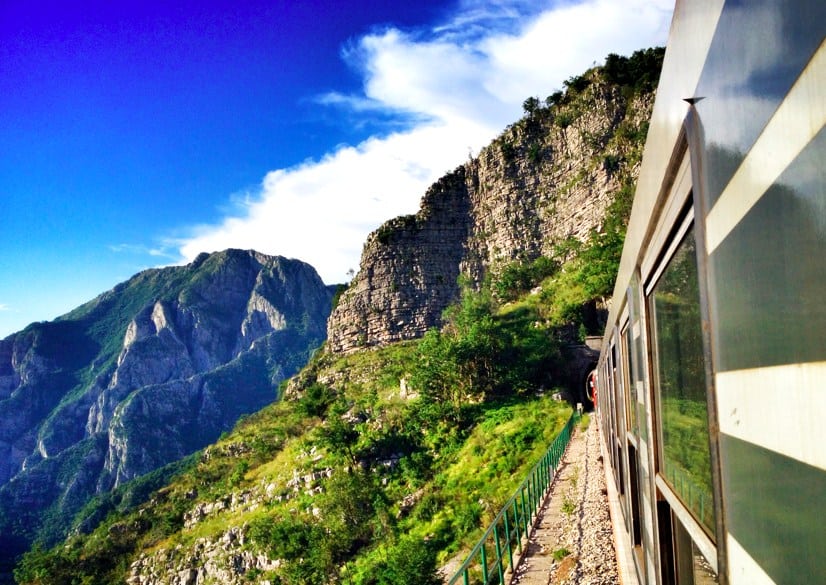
(636, 506)
(665, 531)
(690, 566)
(680, 380)
(635, 357)
(630, 385)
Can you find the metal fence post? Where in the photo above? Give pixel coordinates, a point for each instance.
(508, 540)
(498, 554)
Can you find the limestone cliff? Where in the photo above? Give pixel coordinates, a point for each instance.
(547, 178)
(143, 375)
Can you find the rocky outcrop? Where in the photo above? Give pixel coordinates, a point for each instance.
(146, 374)
(223, 560)
(547, 178)
(408, 271)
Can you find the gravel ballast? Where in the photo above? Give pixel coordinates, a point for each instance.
(572, 542)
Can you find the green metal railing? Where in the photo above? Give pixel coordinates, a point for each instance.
(493, 554)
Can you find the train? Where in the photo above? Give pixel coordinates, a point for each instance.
(710, 389)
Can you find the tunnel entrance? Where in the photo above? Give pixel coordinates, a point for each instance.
(580, 362)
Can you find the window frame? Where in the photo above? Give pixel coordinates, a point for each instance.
(677, 216)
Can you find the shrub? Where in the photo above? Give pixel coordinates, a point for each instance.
(340, 290)
(239, 472)
(517, 278)
(641, 71)
(564, 119)
(611, 163)
(468, 517)
(411, 560)
(283, 538)
(316, 400)
(577, 83)
(508, 150)
(554, 99)
(384, 233)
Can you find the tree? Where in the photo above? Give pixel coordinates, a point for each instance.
(412, 560)
(338, 435)
(531, 105)
(435, 375)
(479, 354)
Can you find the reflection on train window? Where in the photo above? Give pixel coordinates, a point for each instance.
(635, 356)
(675, 306)
(630, 384)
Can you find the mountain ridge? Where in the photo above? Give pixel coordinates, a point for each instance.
(145, 374)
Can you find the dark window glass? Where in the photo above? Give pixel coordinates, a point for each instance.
(630, 384)
(636, 358)
(681, 383)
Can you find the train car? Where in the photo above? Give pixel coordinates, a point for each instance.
(711, 383)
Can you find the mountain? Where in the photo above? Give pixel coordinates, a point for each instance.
(549, 178)
(400, 440)
(144, 375)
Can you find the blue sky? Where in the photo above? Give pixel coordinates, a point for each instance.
(138, 134)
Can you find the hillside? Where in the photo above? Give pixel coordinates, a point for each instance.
(142, 376)
(402, 438)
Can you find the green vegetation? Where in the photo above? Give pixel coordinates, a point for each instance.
(340, 290)
(508, 150)
(579, 275)
(531, 105)
(517, 278)
(568, 505)
(79, 352)
(632, 75)
(481, 354)
(387, 230)
(640, 71)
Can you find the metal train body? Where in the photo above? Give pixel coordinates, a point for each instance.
(711, 384)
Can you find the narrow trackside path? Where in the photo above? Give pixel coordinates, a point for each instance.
(572, 542)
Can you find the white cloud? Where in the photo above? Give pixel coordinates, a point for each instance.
(352, 102)
(158, 252)
(321, 212)
(4, 307)
(566, 41)
(464, 80)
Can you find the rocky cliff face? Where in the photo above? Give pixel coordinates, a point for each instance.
(143, 375)
(547, 178)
